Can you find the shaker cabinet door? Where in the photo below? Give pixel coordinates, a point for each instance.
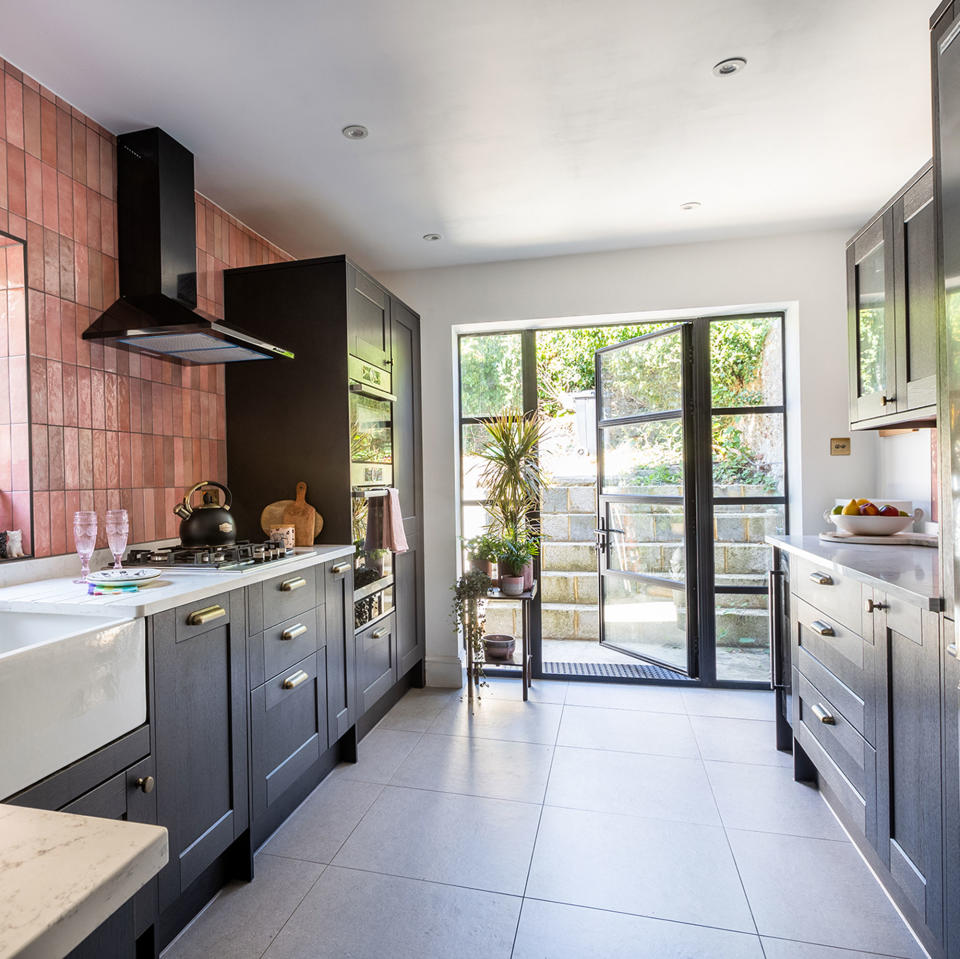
(368, 318)
(341, 650)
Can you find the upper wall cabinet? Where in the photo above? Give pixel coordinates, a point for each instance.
(368, 319)
(892, 306)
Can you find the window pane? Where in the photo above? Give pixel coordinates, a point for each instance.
(646, 618)
(644, 377)
(650, 541)
(473, 437)
(490, 374)
(741, 558)
(643, 459)
(746, 361)
(743, 638)
(748, 454)
(475, 521)
(870, 323)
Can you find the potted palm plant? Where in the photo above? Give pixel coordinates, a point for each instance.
(517, 555)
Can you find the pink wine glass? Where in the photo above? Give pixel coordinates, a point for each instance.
(85, 537)
(118, 526)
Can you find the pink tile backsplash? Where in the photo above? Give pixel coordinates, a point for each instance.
(105, 427)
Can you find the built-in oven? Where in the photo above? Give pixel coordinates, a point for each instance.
(371, 475)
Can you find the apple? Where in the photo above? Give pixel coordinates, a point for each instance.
(889, 511)
(868, 509)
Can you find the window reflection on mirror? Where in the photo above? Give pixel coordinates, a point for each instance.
(870, 323)
(15, 498)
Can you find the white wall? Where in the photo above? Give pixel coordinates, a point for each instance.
(903, 465)
(802, 273)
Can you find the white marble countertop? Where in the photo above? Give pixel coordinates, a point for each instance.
(62, 875)
(170, 590)
(910, 572)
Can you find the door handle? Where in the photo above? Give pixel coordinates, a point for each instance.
(821, 579)
(821, 628)
(381, 632)
(289, 585)
(295, 679)
(775, 607)
(826, 718)
(200, 616)
(294, 631)
(340, 568)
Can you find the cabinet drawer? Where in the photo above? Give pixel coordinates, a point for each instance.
(855, 757)
(107, 801)
(289, 728)
(376, 661)
(841, 650)
(829, 592)
(860, 715)
(203, 615)
(289, 642)
(289, 595)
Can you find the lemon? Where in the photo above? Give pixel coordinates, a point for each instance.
(836, 510)
(861, 502)
(852, 509)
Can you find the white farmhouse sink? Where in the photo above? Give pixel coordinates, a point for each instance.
(68, 685)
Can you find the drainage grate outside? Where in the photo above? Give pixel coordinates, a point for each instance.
(613, 671)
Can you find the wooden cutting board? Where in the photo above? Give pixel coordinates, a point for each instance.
(272, 515)
(303, 517)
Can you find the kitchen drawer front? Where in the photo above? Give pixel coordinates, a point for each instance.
(289, 595)
(202, 616)
(288, 728)
(829, 592)
(842, 650)
(376, 661)
(855, 757)
(107, 801)
(289, 642)
(861, 715)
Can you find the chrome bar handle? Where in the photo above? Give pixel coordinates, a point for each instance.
(209, 613)
(289, 585)
(826, 718)
(339, 568)
(821, 579)
(294, 631)
(295, 679)
(821, 628)
(775, 608)
(381, 632)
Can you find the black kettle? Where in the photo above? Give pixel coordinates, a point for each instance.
(209, 524)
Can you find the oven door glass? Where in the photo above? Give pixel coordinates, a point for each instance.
(371, 441)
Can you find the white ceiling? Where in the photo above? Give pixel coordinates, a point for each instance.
(516, 128)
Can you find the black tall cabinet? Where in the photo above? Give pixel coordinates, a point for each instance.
(290, 421)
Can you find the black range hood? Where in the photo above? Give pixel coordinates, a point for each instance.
(157, 240)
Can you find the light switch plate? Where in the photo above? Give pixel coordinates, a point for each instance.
(840, 446)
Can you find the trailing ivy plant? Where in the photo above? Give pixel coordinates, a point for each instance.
(469, 615)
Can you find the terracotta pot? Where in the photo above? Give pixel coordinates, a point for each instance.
(500, 647)
(511, 585)
(528, 575)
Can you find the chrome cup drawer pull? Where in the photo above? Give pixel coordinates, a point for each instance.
(381, 632)
(294, 631)
(340, 568)
(952, 650)
(295, 679)
(821, 579)
(821, 714)
(209, 613)
(289, 585)
(821, 628)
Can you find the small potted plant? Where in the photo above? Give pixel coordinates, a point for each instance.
(468, 613)
(482, 552)
(516, 554)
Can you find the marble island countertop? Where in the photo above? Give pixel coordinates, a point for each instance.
(62, 875)
(910, 572)
(171, 589)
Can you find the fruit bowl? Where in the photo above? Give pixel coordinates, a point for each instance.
(871, 525)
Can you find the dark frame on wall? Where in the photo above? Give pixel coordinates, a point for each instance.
(702, 493)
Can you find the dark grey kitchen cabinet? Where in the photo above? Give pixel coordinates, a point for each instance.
(376, 661)
(893, 309)
(368, 318)
(200, 725)
(336, 583)
(909, 807)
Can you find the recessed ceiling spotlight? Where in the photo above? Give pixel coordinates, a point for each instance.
(691, 205)
(432, 237)
(355, 131)
(730, 66)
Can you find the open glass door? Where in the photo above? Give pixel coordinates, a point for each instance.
(645, 522)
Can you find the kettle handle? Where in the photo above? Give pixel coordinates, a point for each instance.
(184, 509)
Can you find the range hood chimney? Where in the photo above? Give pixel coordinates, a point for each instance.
(157, 241)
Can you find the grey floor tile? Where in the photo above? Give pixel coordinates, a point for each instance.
(417, 709)
(788, 949)
(628, 730)
(361, 915)
(730, 703)
(379, 754)
(818, 891)
(318, 829)
(549, 930)
(656, 699)
(490, 718)
(739, 741)
(243, 920)
(542, 690)
(648, 867)
(766, 799)
(656, 787)
(443, 837)
(477, 767)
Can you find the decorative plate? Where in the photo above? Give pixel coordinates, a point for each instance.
(120, 577)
